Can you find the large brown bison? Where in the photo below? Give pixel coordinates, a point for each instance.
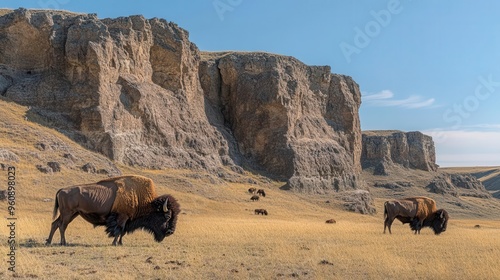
(418, 211)
(122, 204)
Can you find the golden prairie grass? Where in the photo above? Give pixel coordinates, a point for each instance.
(219, 237)
(222, 240)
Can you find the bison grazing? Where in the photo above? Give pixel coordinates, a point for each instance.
(261, 192)
(418, 211)
(254, 198)
(122, 204)
(252, 190)
(261, 211)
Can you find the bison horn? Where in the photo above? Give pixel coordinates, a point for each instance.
(441, 215)
(165, 207)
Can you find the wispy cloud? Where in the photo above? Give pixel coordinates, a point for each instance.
(484, 126)
(385, 98)
(385, 94)
(474, 145)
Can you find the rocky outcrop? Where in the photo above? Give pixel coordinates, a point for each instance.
(126, 87)
(409, 149)
(458, 185)
(140, 92)
(359, 201)
(295, 121)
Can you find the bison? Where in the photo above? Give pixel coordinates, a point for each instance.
(331, 221)
(261, 211)
(121, 204)
(261, 192)
(252, 190)
(254, 198)
(418, 211)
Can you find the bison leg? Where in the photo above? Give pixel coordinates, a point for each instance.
(121, 221)
(416, 225)
(55, 225)
(388, 223)
(65, 220)
(419, 227)
(120, 236)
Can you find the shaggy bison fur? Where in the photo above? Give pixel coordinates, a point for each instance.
(121, 204)
(419, 212)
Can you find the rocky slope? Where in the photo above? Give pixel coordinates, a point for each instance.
(382, 149)
(141, 93)
(458, 185)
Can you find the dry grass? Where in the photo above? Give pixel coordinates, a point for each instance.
(242, 245)
(218, 235)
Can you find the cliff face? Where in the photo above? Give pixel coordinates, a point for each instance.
(295, 121)
(128, 87)
(409, 149)
(141, 93)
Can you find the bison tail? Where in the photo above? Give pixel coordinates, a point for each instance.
(56, 206)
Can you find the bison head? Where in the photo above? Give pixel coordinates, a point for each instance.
(161, 222)
(439, 221)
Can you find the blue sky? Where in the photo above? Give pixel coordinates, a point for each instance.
(432, 66)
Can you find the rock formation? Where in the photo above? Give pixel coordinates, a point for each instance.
(140, 92)
(458, 185)
(295, 121)
(128, 86)
(409, 149)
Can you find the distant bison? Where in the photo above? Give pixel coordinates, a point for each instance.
(122, 204)
(418, 211)
(254, 198)
(261, 211)
(252, 190)
(261, 192)
(331, 221)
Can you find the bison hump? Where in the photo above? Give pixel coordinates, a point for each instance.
(133, 195)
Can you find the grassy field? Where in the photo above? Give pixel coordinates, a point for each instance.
(222, 240)
(218, 236)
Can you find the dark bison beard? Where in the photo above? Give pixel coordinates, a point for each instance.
(154, 223)
(437, 224)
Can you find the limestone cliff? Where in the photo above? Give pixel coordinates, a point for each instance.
(128, 86)
(409, 149)
(296, 121)
(140, 92)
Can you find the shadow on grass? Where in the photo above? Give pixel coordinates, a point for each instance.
(31, 243)
(485, 173)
